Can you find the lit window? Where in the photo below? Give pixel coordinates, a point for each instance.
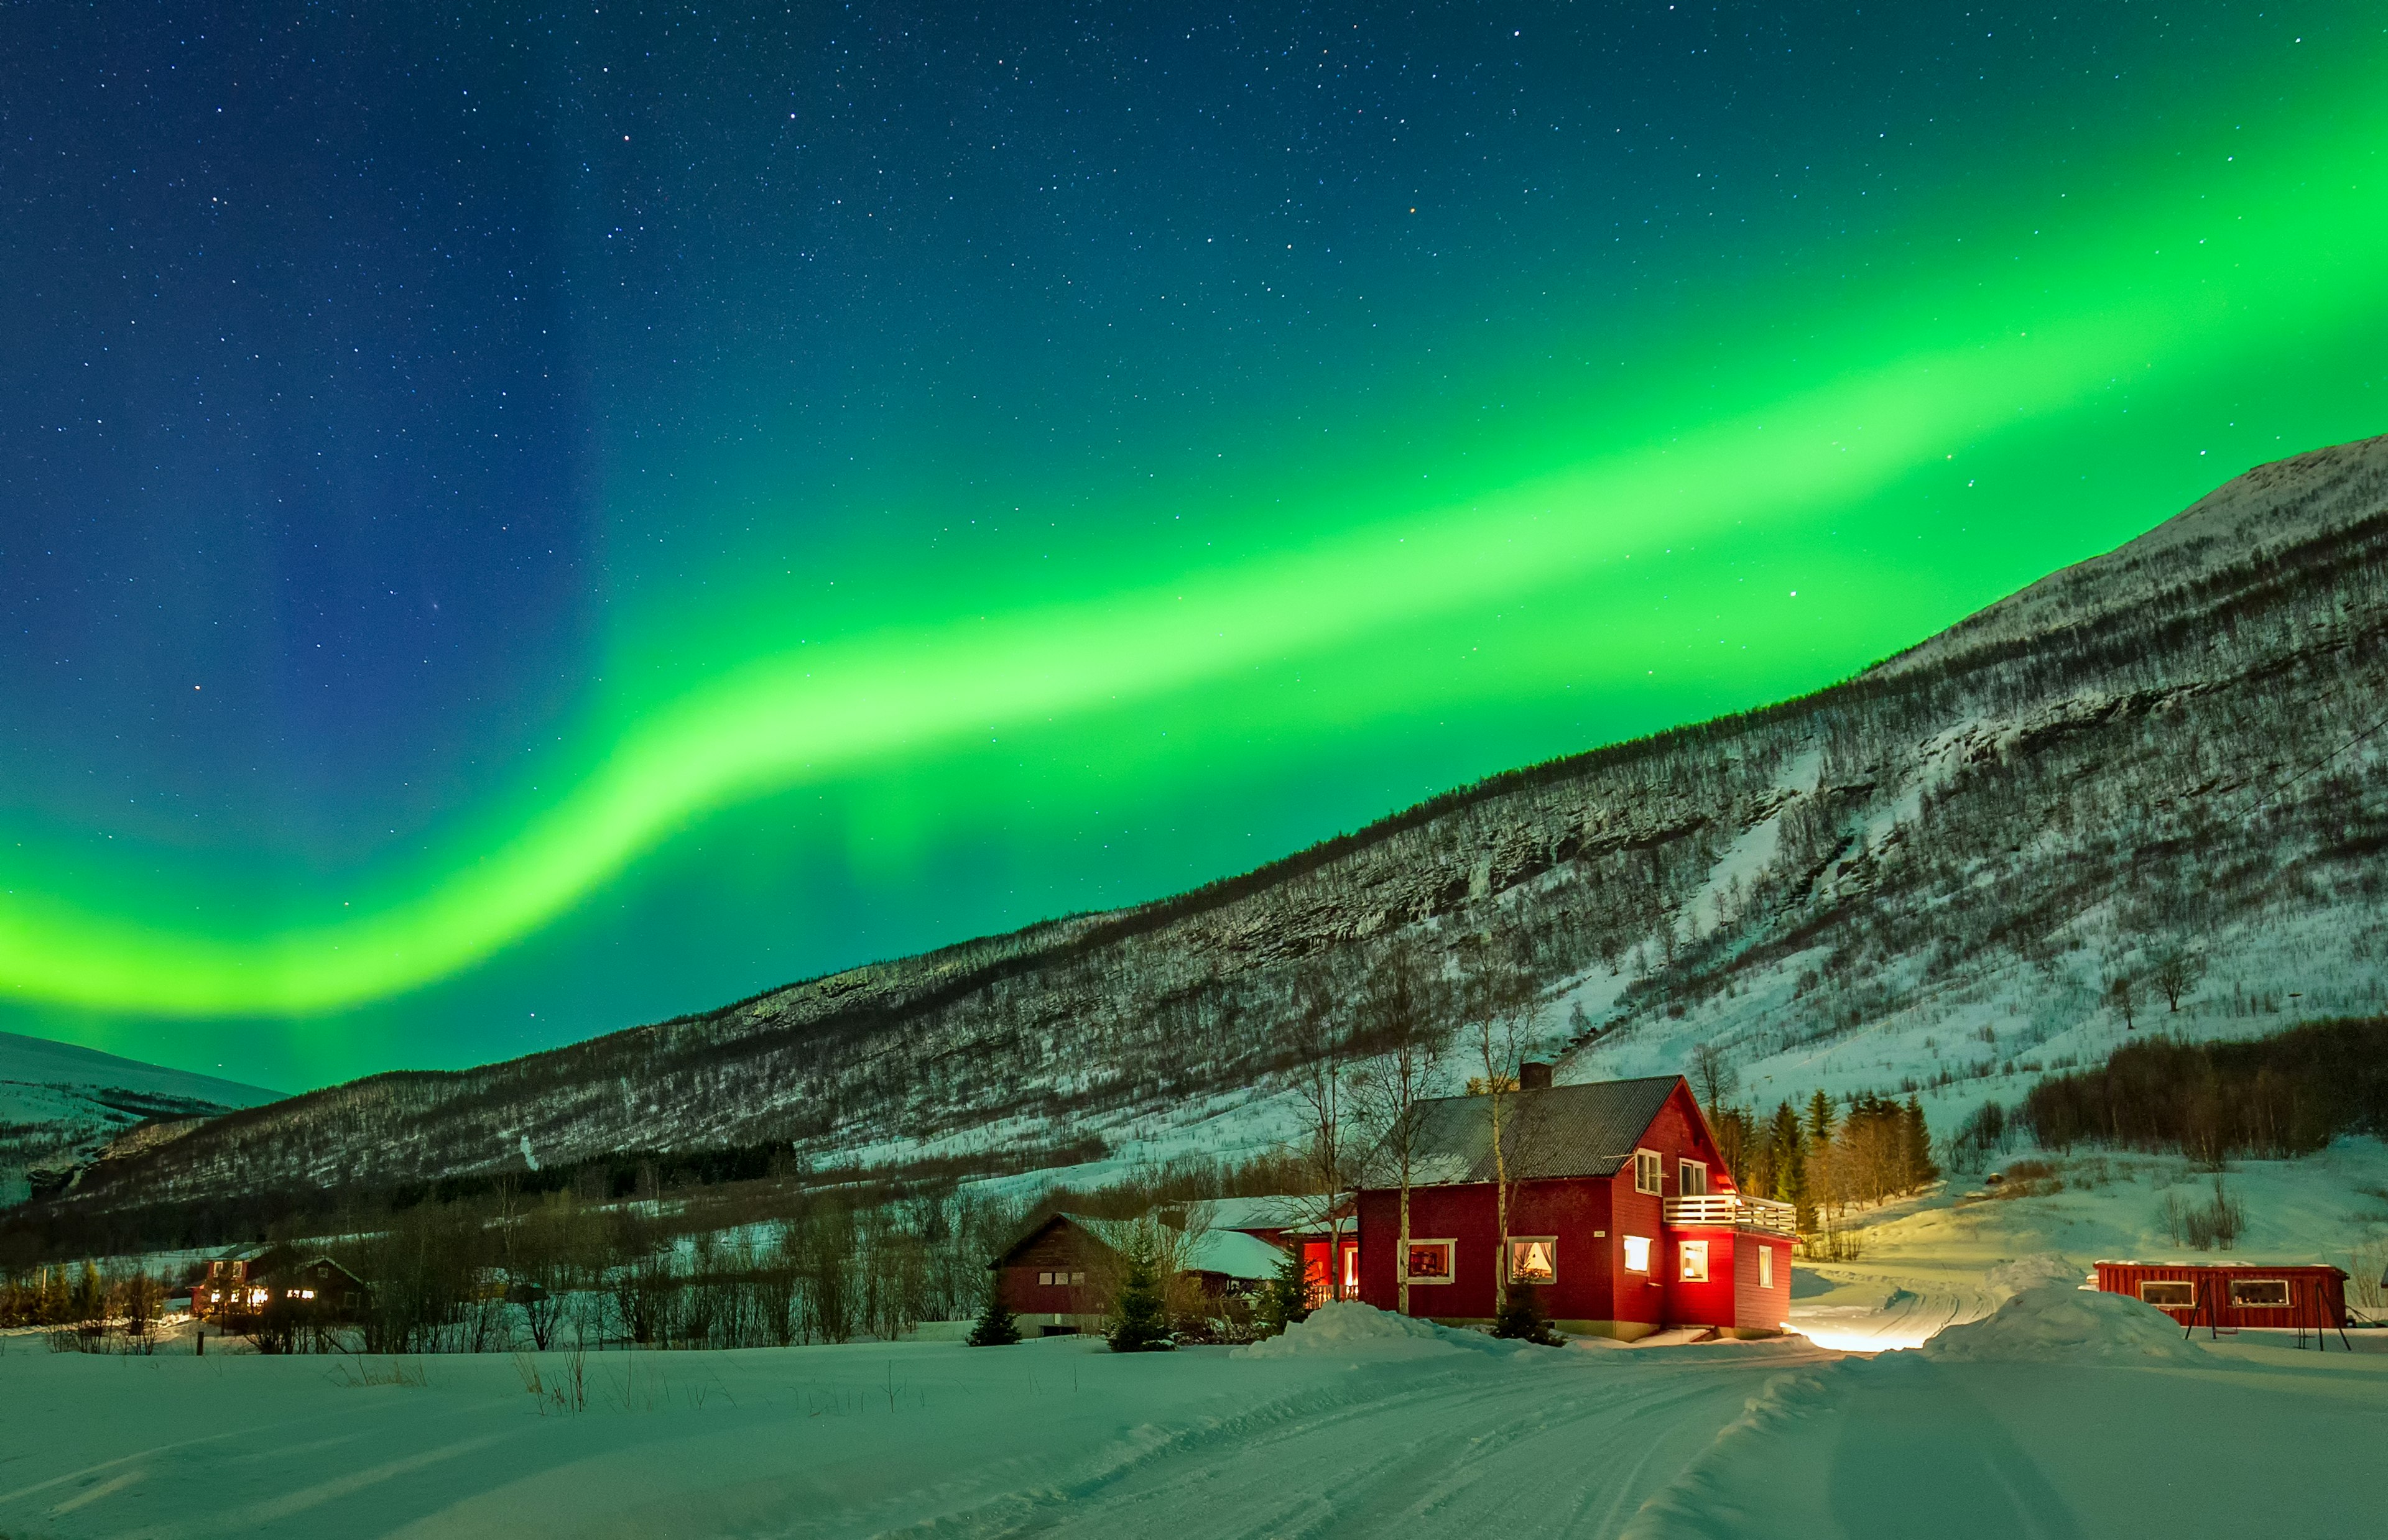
(1534, 1259)
(1352, 1266)
(1075, 1276)
(1429, 1261)
(1766, 1266)
(1695, 1261)
(2174, 1293)
(2263, 1292)
(1691, 1178)
(1637, 1253)
(1648, 1167)
(1043, 1279)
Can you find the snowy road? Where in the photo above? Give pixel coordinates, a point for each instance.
(2047, 1427)
(1048, 1438)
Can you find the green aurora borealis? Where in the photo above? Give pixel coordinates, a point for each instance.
(1042, 639)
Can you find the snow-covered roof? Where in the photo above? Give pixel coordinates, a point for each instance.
(1233, 1253)
(1274, 1211)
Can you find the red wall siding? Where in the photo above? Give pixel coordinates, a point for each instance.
(1756, 1309)
(1574, 1211)
(1704, 1304)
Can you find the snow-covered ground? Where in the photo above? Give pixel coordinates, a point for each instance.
(1937, 1260)
(2033, 1409)
(2066, 1414)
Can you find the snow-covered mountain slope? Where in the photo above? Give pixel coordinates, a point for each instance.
(59, 1104)
(2159, 767)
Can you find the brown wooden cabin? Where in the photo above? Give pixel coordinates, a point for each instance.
(1060, 1275)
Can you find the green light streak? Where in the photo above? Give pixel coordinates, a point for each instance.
(2167, 296)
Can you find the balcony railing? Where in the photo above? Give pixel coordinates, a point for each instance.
(1732, 1210)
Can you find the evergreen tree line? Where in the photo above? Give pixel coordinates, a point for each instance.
(2287, 1094)
(1828, 1159)
(83, 1296)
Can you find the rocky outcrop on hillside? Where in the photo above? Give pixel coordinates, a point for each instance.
(2151, 767)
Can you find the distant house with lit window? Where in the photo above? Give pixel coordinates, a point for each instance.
(239, 1286)
(1620, 1211)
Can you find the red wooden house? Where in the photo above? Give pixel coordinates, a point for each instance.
(1620, 1211)
(2229, 1296)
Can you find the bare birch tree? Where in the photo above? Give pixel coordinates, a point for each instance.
(1498, 1000)
(1318, 1084)
(1393, 1088)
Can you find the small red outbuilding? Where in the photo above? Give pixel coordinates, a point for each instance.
(2226, 1296)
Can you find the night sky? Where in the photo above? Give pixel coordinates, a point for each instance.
(520, 522)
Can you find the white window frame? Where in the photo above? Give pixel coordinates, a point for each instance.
(2287, 1301)
(1765, 1266)
(1683, 1169)
(1045, 1278)
(1508, 1253)
(1684, 1252)
(1655, 1164)
(1643, 1241)
(2188, 1304)
(1450, 1260)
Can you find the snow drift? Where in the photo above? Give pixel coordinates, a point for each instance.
(2057, 1321)
(1347, 1328)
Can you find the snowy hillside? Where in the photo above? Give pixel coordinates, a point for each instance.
(59, 1104)
(2143, 793)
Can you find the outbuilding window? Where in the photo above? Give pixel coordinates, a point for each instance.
(2260, 1292)
(1691, 1178)
(1533, 1258)
(1637, 1253)
(1648, 1171)
(1695, 1261)
(2175, 1293)
(1430, 1261)
(1765, 1267)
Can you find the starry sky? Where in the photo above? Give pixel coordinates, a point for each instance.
(518, 521)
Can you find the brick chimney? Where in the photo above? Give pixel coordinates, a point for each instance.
(1533, 1077)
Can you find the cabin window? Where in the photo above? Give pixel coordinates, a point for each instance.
(2171, 1292)
(1691, 1178)
(2260, 1292)
(1648, 1171)
(1535, 1258)
(1637, 1253)
(1765, 1267)
(1695, 1261)
(1350, 1266)
(1430, 1261)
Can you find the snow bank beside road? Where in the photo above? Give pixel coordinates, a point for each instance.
(2056, 1320)
(1347, 1328)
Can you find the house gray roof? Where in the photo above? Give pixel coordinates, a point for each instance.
(1569, 1131)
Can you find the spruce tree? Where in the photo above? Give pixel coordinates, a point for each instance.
(1920, 1168)
(1820, 1118)
(1286, 1300)
(1522, 1317)
(1140, 1325)
(996, 1327)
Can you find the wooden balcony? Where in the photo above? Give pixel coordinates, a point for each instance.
(1732, 1210)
